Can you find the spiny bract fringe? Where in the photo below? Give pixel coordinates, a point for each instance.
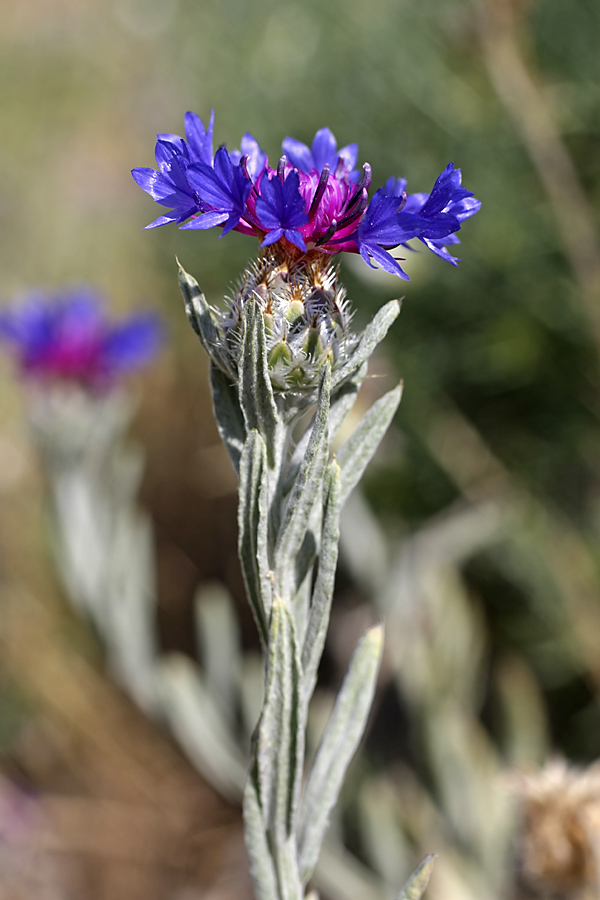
(306, 314)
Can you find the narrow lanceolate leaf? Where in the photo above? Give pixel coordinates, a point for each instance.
(340, 405)
(343, 399)
(307, 487)
(416, 885)
(230, 420)
(344, 730)
(262, 867)
(373, 334)
(286, 864)
(255, 390)
(354, 455)
(280, 735)
(201, 319)
(303, 576)
(252, 530)
(318, 617)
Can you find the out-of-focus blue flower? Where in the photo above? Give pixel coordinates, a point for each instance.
(66, 336)
(312, 202)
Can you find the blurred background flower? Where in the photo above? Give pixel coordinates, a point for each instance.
(478, 528)
(68, 338)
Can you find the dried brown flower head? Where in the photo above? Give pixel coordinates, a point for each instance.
(559, 841)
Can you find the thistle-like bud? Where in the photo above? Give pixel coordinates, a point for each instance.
(306, 315)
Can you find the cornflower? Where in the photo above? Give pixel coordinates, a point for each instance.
(66, 336)
(313, 202)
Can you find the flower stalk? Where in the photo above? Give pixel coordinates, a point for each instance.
(290, 496)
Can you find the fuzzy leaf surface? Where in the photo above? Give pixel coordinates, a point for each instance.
(262, 869)
(280, 734)
(342, 735)
(356, 453)
(373, 334)
(252, 530)
(341, 402)
(318, 617)
(201, 319)
(343, 399)
(286, 865)
(230, 420)
(255, 390)
(307, 487)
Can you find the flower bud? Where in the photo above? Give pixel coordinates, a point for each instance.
(305, 313)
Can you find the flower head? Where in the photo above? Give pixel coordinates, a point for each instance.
(314, 200)
(67, 337)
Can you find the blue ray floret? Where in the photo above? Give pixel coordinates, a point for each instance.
(280, 208)
(445, 208)
(199, 138)
(169, 186)
(224, 190)
(322, 152)
(255, 157)
(313, 202)
(385, 225)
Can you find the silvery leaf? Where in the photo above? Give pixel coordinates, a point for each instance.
(202, 320)
(342, 735)
(255, 390)
(307, 486)
(373, 334)
(280, 732)
(262, 869)
(320, 607)
(252, 530)
(416, 885)
(228, 413)
(355, 454)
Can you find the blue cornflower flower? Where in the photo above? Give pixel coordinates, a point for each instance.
(322, 152)
(313, 201)
(224, 190)
(66, 336)
(280, 209)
